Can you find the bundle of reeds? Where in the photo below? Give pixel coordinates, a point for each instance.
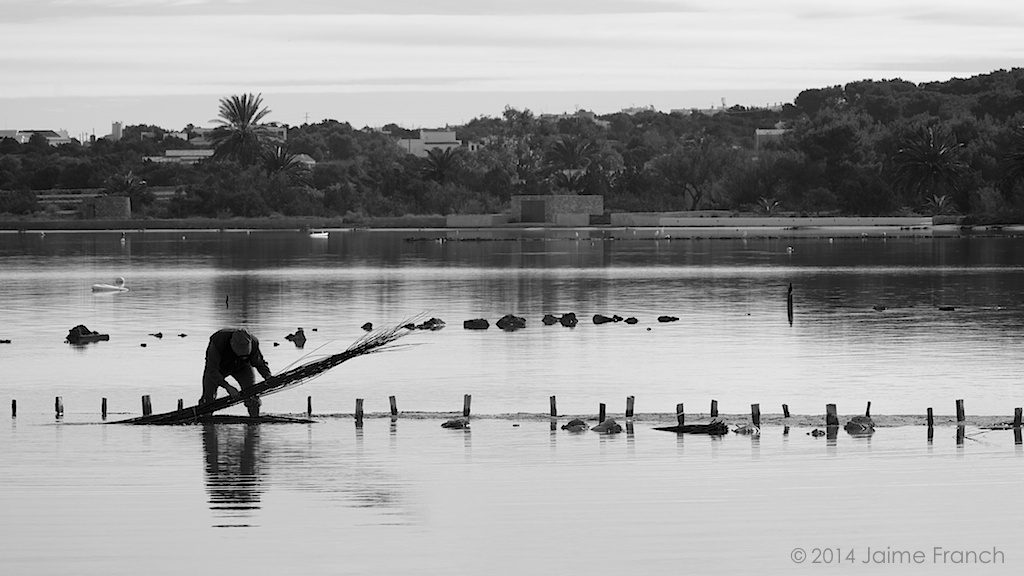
(371, 343)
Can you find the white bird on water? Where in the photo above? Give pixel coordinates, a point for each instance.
(117, 286)
(789, 250)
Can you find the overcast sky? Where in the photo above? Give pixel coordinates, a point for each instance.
(81, 64)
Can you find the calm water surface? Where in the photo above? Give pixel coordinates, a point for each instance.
(86, 498)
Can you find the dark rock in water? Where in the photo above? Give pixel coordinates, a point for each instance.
(5, 341)
(158, 335)
(476, 324)
(314, 329)
(182, 335)
(667, 318)
(143, 344)
(575, 425)
(368, 326)
(860, 425)
(409, 326)
(511, 322)
(602, 319)
(617, 318)
(631, 320)
(277, 343)
(432, 324)
(947, 308)
(298, 338)
(456, 423)
(568, 320)
(609, 426)
(816, 433)
(878, 307)
(549, 319)
(81, 335)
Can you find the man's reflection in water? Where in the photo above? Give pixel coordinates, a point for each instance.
(232, 471)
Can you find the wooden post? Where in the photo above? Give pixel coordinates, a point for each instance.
(755, 414)
(394, 406)
(785, 410)
(466, 400)
(931, 423)
(554, 408)
(960, 434)
(103, 408)
(309, 406)
(1016, 417)
(680, 416)
(831, 419)
(58, 406)
(789, 304)
(359, 410)
(181, 404)
(629, 406)
(14, 408)
(960, 410)
(714, 408)
(867, 411)
(147, 406)
(600, 412)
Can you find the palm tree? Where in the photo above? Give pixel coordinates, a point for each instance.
(571, 153)
(1013, 160)
(441, 164)
(239, 134)
(279, 160)
(927, 162)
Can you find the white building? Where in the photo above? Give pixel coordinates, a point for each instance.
(53, 137)
(181, 156)
(430, 140)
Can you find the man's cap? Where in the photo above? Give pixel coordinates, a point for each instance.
(241, 343)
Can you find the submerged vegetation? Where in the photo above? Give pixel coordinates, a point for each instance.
(867, 148)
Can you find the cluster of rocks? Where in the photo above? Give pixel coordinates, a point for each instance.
(609, 426)
(569, 320)
(432, 324)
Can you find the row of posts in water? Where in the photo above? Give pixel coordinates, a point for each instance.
(831, 416)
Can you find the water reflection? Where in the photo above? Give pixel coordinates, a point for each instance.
(232, 471)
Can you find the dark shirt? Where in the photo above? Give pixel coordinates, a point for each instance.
(219, 354)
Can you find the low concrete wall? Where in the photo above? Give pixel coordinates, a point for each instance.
(556, 204)
(574, 220)
(648, 219)
(476, 220)
(107, 208)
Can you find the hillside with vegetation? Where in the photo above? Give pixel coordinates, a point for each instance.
(868, 148)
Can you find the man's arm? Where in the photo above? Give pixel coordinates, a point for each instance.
(258, 362)
(212, 370)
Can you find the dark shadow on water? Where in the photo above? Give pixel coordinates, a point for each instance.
(233, 481)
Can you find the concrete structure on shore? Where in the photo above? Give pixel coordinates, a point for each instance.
(558, 209)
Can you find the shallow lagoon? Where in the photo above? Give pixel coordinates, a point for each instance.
(501, 498)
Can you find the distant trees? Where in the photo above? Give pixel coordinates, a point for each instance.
(867, 148)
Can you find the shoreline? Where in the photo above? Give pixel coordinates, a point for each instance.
(665, 228)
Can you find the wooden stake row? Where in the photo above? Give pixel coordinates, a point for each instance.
(831, 416)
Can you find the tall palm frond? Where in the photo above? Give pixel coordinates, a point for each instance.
(239, 134)
(571, 153)
(1013, 161)
(929, 161)
(280, 160)
(441, 164)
